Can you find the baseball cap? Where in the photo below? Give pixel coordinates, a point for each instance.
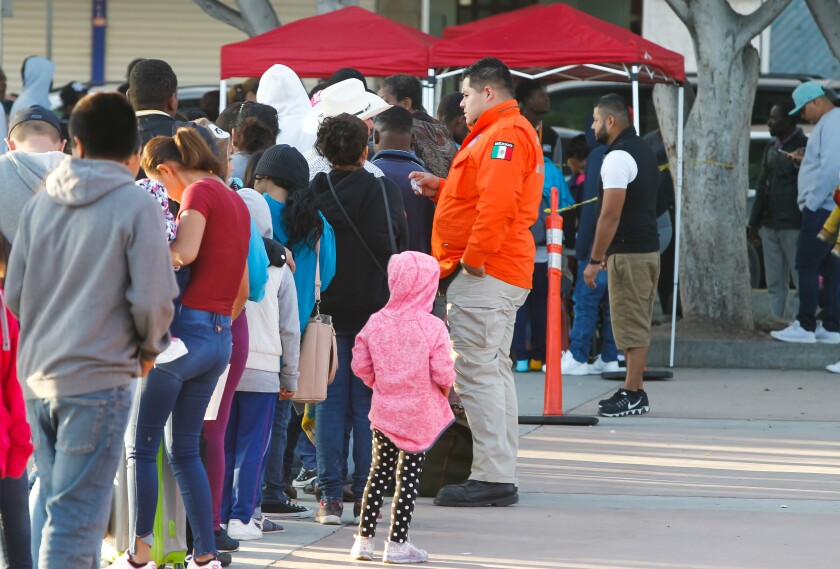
(806, 93)
(34, 113)
(348, 96)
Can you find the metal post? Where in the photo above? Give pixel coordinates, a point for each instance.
(424, 16)
(429, 92)
(49, 25)
(678, 219)
(222, 95)
(634, 71)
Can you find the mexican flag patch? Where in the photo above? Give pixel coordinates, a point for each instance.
(502, 150)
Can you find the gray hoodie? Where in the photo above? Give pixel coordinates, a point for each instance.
(90, 280)
(22, 175)
(37, 80)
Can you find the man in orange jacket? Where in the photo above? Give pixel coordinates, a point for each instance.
(482, 241)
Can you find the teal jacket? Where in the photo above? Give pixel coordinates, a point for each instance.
(304, 258)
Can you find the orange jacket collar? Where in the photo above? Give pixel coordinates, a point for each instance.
(488, 117)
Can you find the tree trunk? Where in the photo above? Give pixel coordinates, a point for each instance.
(714, 273)
(325, 6)
(259, 16)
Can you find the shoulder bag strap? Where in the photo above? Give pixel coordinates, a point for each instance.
(317, 273)
(353, 227)
(388, 217)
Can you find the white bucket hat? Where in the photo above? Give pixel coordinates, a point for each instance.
(348, 96)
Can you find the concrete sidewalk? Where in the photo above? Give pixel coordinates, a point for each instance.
(731, 469)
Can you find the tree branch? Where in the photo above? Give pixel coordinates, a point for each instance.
(752, 24)
(681, 9)
(827, 13)
(223, 13)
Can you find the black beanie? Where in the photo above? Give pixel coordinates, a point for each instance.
(286, 163)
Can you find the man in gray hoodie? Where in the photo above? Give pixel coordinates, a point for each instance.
(91, 282)
(35, 150)
(37, 74)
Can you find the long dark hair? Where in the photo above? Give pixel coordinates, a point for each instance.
(303, 223)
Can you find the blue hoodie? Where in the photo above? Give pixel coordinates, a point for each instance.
(589, 212)
(37, 80)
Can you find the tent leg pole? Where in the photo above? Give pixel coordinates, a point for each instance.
(222, 95)
(678, 219)
(636, 111)
(429, 93)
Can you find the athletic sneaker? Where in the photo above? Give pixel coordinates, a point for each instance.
(403, 553)
(570, 366)
(304, 477)
(330, 512)
(224, 558)
(535, 365)
(624, 402)
(122, 562)
(212, 564)
(224, 542)
(242, 531)
(268, 526)
(795, 333)
(176, 349)
(599, 366)
(286, 510)
(833, 368)
(362, 548)
(823, 336)
(521, 366)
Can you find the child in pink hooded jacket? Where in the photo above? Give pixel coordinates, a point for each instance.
(403, 353)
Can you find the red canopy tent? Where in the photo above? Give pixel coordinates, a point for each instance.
(560, 40)
(319, 45)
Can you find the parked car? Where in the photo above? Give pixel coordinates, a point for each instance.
(188, 96)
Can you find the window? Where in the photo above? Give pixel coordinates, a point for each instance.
(471, 10)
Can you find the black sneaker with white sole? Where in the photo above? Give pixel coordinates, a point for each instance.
(304, 477)
(623, 403)
(286, 510)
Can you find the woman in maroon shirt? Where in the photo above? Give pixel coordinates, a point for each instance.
(213, 234)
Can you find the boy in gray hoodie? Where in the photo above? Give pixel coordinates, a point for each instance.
(91, 282)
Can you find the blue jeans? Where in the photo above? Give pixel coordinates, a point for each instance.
(306, 451)
(813, 257)
(534, 311)
(78, 442)
(14, 509)
(246, 440)
(181, 388)
(273, 480)
(347, 406)
(588, 302)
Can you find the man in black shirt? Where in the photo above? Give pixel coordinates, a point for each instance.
(627, 246)
(534, 103)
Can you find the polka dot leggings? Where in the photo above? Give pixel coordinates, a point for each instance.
(385, 460)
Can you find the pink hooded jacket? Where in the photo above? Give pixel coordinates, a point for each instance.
(403, 353)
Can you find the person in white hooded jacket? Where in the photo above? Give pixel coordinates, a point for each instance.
(270, 379)
(281, 88)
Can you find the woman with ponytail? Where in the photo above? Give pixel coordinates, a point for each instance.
(213, 235)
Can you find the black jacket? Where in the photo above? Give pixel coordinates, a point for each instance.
(359, 288)
(775, 203)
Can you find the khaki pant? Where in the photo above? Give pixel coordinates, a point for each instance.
(481, 314)
(632, 280)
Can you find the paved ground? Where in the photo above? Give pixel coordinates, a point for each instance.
(731, 470)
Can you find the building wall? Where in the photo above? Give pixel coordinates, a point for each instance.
(798, 47)
(177, 31)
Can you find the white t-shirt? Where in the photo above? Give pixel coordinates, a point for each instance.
(618, 170)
